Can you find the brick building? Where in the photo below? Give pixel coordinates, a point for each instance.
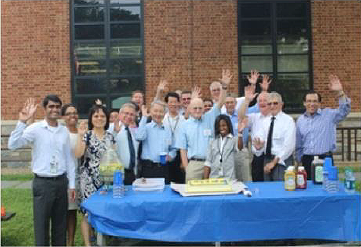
(87, 49)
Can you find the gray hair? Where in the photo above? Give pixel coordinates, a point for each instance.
(128, 105)
(275, 95)
(267, 96)
(158, 102)
(215, 84)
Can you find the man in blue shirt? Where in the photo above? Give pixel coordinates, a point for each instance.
(197, 131)
(316, 128)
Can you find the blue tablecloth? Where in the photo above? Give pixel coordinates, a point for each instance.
(272, 213)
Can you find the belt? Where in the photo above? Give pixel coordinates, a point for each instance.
(196, 159)
(150, 163)
(329, 153)
(51, 178)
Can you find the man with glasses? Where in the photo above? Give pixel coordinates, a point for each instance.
(127, 145)
(280, 137)
(197, 131)
(316, 128)
(186, 97)
(53, 167)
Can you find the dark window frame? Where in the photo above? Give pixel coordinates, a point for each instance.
(242, 81)
(107, 41)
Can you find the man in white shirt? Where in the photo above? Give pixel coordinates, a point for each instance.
(127, 145)
(280, 140)
(53, 167)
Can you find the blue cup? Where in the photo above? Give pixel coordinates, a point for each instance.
(117, 178)
(327, 163)
(163, 158)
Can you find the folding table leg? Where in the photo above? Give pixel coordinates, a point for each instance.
(100, 239)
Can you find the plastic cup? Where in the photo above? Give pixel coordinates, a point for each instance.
(163, 158)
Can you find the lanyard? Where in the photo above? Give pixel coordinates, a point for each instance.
(170, 125)
(221, 148)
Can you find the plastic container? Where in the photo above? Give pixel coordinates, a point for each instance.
(317, 170)
(333, 183)
(301, 178)
(290, 179)
(118, 186)
(349, 181)
(327, 165)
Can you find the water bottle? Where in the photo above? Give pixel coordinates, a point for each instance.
(118, 186)
(333, 184)
(327, 165)
(349, 181)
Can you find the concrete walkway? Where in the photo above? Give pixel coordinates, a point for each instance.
(16, 184)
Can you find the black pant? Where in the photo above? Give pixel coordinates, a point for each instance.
(176, 173)
(257, 168)
(155, 170)
(307, 162)
(129, 176)
(50, 199)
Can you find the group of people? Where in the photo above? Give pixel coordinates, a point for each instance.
(201, 139)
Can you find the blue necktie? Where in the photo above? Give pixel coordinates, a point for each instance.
(131, 149)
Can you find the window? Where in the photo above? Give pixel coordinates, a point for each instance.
(274, 38)
(107, 51)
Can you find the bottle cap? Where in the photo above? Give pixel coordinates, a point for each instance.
(301, 168)
(290, 168)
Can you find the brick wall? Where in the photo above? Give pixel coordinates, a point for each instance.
(34, 53)
(336, 33)
(189, 42)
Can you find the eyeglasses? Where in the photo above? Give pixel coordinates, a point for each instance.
(311, 101)
(272, 103)
(186, 98)
(71, 113)
(216, 90)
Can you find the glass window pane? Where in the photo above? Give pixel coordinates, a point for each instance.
(257, 10)
(251, 28)
(291, 9)
(90, 67)
(84, 104)
(126, 48)
(89, 14)
(117, 101)
(260, 63)
(90, 86)
(123, 13)
(257, 49)
(293, 81)
(125, 84)
(125, 1)
(131, 66)
(294, 63)
(291, 29)
(89, 51)
(88, 2)
(89, 32)
(120, 31)
(292, 99)
(290, 46)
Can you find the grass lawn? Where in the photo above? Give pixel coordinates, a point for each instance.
(17, 177)
(19, 231)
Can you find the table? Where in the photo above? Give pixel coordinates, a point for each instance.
(270, 214)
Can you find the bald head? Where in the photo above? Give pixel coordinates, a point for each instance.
(196, 108)
(262, 100)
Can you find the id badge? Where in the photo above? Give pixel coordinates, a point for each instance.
(54, 165)
(207, 132)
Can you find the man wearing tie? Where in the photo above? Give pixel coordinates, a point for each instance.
(280, 140)
(127, 145)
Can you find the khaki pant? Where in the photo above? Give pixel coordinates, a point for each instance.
(242, 165)
(194, 170)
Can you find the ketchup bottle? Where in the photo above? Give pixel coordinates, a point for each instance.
(301, 178)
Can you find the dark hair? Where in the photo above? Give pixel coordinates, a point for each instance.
(311, 92)
(51, 97)
(137, 91)
(65, 107)
(95, 109)
(217, 123)
(137, 108)
(171, 94)
(186, 92)
(208, 100)
(114, 110)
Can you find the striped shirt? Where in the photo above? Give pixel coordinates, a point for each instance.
(316, 134)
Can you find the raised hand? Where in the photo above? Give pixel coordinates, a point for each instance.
(266, 81)
(226, 76)
(335, 84)
(258, 143)
(196, 92)
(117, 125)
(253, 77)
(162, 85)
(82, 129)
(242, 124)
(145, 111)
(28, 111)
(249, 93)
(98, 102)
